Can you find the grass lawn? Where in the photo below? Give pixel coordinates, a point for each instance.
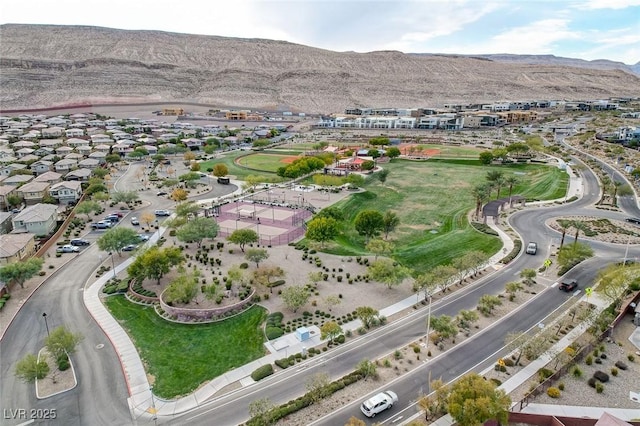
(432, 200)
(228, 159)
(265, 162)
(182, 356)
(448, 151)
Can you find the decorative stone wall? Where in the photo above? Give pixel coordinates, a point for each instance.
(191, 314)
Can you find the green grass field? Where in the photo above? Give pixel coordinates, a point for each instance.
(241, 173)
(432, 200)
(265, 162)
(180, 356)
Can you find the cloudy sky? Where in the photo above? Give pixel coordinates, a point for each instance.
(586, 29)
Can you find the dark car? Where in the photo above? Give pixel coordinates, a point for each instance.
(161, 193)
(568, 285)
(633, 220)
(79, 242)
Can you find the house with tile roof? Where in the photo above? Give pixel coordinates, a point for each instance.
(39, 219)
(16, 247)
(66, 192)
(33, 192)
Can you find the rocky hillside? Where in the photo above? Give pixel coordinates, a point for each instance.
(42, 66)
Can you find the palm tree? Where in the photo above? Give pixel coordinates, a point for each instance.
(494, 177)
(578, 226)
(510, 181)
(480, 192)
(563, 225)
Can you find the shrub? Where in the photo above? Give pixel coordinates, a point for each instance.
(544, 374)
(282, 363)
(603, 356)
(621, 365)
(588, 360)
(340, 339)
(599, 387)
(614, 371)
(598, 361)
(273, 332)
(592, 382)
(244, 265)
(509, 362)
(262, 372)
(416, 349)
(553, 392)
(277, 283)
(63, 364)
(630, 357)
(495, 381)
(601, 376)
(561, 386)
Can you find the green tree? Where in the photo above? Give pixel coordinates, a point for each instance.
(393, 152)
(487, 303)
(220, 170)
(387, 272)
(578, 226)
(366, 315)
(466, 318)
(28, 369)
(259, 411)
(355, 180)
(495, 179)
(88, 207)
(572, 254)
(379, 247)
(14, 200)
(179, 194)
(528, 276)
(19, 272)
(115, 239)
(367, 368)
(100, 173)
(480, 192)
(474, 400)
(318, 387)
(100, 197)
(155, 262)
(183, 288)
(127, 197)
(444, 326)
(330, 330)
(369, 223)
(112, 158)
(252, 181)
(265, 274)
(295, 297)
(243, 237)
(256, 255)
(187, 209)
(512, 289)
(390, 222)
(486, 157)
(382, 175)
(476, 260)
(322, 229)
(444, 275)
(197, 230)
(331, 212)
(511, 181)
(426, 282)
(62, 342)
(614, 281)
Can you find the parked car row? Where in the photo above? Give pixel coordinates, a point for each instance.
(110, 220)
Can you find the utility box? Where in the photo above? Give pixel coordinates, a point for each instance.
(303, 334)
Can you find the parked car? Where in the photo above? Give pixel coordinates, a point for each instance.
(79, 242)
(633, 220)
(103, 224)
(68, 249)
(378, 403)
(112, 218)
(135, 221)
(119, 214)
(143, 237)
(162, 213)
(130, 247)
(568, 285)
(532, 248)
(161, 193)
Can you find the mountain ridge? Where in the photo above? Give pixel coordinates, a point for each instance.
(45, 65)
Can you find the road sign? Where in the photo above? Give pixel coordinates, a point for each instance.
(588, 291)
(547, 263)
(501, 362)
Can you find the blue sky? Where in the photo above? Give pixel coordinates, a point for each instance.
(586, 29)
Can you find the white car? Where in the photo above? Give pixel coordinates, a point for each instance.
(532, 248)
(378, 403)
(68, 249)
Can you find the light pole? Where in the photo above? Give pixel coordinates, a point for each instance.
(152, 409)
(428, 322)
(626, 250)
(46, 324)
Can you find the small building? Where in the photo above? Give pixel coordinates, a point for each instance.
(39, 219)
(33, 192)
(66, 192)
(172, 111)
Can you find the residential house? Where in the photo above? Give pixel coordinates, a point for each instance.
(65, 165)
(9, 168)
(89, 163)
(102, 148)
(68, 192)
(39, 219)
(99, 155)
(52, 132)
(30, 158)
(74, 156)
(75, 142)
(23, 144)
(74, 133)
(23, 152)
(5, 222)
(81, 175)
(5, 192)
(50, 177)
(17, 180)
(16, 247)
(83, 151)
(33, 192)
(64, 150)
(51, 143)
(41, 166)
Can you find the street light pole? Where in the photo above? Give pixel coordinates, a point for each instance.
(429, 322)
(46, 324)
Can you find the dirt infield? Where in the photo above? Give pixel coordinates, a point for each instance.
(411, 149)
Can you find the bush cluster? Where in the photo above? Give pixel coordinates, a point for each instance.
(553, 392)
(262, 372)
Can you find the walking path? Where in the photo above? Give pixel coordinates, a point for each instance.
(144, 404)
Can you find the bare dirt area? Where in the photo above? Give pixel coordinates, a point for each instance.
(56, 381)
(599, 229)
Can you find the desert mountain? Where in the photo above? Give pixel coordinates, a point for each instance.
(42, 66)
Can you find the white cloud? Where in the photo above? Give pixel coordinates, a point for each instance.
(608, 4)
(617, 45)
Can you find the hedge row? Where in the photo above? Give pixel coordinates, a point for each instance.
(262, 372)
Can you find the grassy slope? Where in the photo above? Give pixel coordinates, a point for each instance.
(181, 356)
(432, 199)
